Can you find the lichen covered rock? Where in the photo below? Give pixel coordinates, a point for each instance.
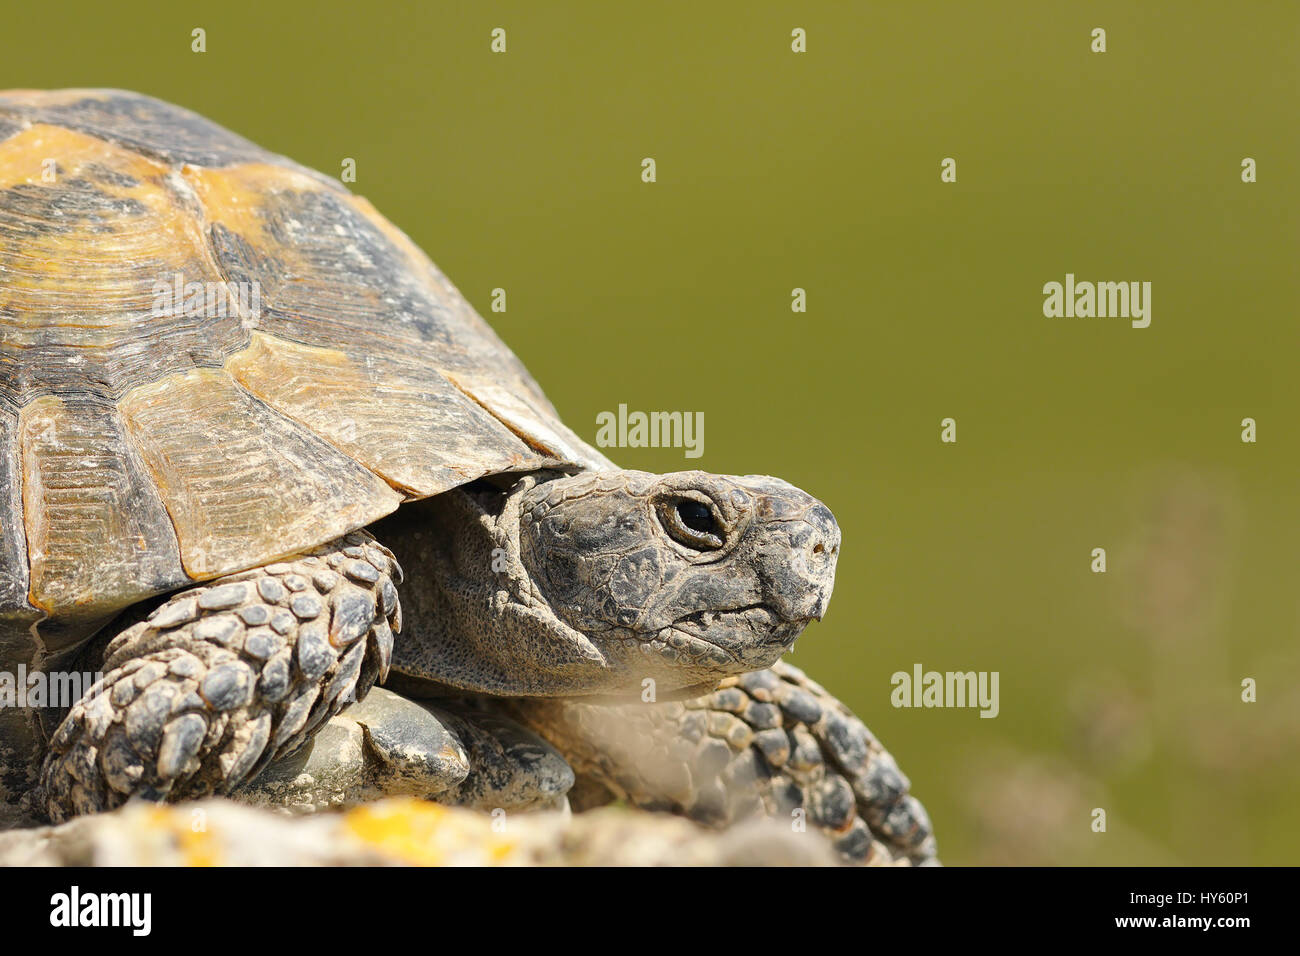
(400, 832)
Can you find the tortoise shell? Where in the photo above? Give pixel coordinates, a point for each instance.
(210, 358)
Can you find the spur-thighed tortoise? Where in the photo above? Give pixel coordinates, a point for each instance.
(217, 370)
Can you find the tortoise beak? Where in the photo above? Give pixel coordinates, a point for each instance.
(797, 567)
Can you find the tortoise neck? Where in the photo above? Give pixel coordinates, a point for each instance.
(473, 619)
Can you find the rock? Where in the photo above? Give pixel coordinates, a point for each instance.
(386, 745)
(400, 832)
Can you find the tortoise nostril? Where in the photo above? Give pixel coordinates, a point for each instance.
(819, 548)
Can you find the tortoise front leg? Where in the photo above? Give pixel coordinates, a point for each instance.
(771, 743)
(224, 678)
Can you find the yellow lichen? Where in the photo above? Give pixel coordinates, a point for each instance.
(197, 846)
(420, 833)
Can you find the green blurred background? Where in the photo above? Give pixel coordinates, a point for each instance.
(821, 171)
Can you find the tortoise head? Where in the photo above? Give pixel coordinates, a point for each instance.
(590, 584)
(686, 577)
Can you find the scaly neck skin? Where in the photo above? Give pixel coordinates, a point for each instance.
(472, 621)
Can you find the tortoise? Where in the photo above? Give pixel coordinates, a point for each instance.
(239, 409)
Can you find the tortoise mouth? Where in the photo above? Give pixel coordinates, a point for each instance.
(730, 636)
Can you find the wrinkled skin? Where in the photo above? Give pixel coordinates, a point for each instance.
(616, 561)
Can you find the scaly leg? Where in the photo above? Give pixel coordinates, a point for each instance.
(223, 678)
(771, 743)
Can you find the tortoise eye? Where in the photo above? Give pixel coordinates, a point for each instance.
(695, 516)
(692, 523)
